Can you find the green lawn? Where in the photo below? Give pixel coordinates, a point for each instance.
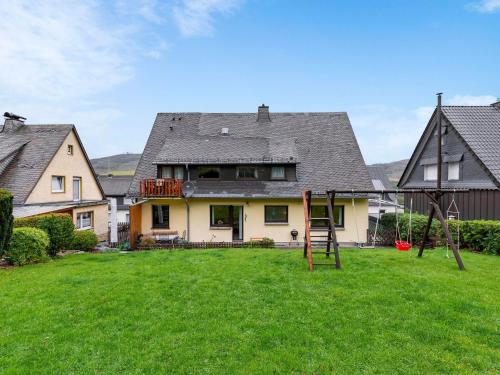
(251, 312)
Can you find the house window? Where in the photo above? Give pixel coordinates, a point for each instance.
(58, 184)
(160, 216)
(246, 172)
(276, 214)
(454, 171)
(278, 173)
(84, 220)
(322, 212)
(179, 172)
(430, 172)
(70, 149)
(221, 216)
(208, 172)
(165, 172)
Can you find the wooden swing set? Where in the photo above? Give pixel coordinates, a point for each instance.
(312, 240)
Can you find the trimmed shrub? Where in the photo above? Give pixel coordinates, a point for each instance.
(263, 243)
(418, 223)
(59, 227)
(148, 241)
(482, 235)
(6, 219)
(84, 240)
(27, 245)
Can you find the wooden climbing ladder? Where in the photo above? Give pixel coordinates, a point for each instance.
(311, 240)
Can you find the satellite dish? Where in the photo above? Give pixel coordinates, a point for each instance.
(187, 189)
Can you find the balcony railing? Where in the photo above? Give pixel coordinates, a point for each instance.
(161, 187)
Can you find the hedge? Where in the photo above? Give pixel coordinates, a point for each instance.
(27, 245)
(477, 235)
(84, 240)
(59, 227)
(418, 223)
(6, 219)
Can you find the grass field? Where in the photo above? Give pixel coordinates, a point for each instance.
(251, 312)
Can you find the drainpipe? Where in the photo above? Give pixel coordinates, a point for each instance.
(187, 205)
(186, 200)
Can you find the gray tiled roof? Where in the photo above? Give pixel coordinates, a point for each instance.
(479, 126)
(115, 185)
(41, 143)
(324, 145)
(207, 149)
(37, 145)
(380, 180)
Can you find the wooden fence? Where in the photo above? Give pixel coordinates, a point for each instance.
(123, 234)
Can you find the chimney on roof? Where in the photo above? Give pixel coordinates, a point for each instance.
(12, 122)
(496, 104)
(263, 114)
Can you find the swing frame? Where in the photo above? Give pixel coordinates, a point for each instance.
(434, 196)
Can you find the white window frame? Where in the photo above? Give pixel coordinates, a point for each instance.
(454, 171)
(79, 223)
(275, 168)
(61, 184)
(179, 173)
(430, 172)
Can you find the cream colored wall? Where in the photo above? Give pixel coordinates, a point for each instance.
(69, 166)
(100, 213)
(253, 225)
(177, 216)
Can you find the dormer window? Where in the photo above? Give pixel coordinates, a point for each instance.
(246, 173)
(277, 173)
(208, 172)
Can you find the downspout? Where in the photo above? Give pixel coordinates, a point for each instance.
(186, 200)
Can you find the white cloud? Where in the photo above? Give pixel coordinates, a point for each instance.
(471, 100)
(485, 6)
(196, 17)
(59, 49)
(387, 133)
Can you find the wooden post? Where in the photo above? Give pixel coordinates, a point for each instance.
(446, 230)
(306, 198)
(331, 204)
(426, 231)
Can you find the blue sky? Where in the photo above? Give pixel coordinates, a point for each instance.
(109, 67)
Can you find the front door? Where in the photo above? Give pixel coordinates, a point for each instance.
(237, 223)
(77, 189)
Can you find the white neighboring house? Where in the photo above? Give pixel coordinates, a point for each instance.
(378, 203)
(115, 188)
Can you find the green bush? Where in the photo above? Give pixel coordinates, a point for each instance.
(6, 219)
(482, 235)
(27, 245)
(418, 223)
(263, 243)
(59, 227)
(84, 240)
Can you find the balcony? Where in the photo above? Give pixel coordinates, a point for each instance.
(161, 187)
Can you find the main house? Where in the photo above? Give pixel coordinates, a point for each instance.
(247, 172)
(471, 160)
(47, 170)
